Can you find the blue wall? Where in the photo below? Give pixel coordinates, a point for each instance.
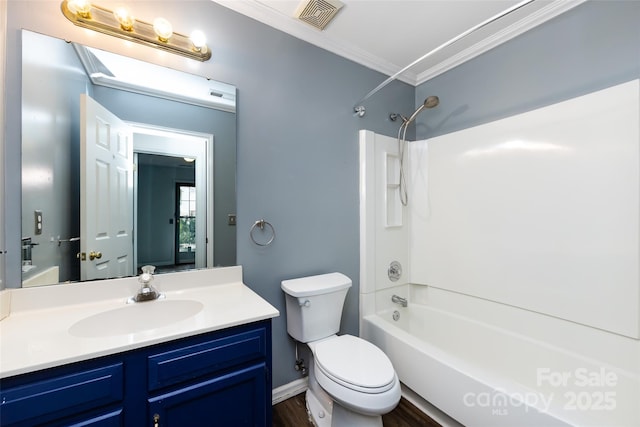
(298, 163)
(588, 48)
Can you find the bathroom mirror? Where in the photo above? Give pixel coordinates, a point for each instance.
(180, 201)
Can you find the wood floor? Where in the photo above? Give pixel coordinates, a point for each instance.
(293, 413)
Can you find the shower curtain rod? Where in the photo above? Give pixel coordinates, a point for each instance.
(360, 109)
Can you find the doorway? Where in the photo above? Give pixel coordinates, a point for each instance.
(185, 238)
(189, 147)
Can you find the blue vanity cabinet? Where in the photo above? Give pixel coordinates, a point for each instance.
(221, 378)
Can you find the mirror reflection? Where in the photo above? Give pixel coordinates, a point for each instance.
(173, 202)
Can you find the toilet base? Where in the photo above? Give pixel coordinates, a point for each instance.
(341, 417)
(319, 413)
(323, 413)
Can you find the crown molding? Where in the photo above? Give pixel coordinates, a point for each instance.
(302, 31)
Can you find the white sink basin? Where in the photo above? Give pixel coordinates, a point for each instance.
(136, 317)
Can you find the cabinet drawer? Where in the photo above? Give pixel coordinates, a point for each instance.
(60, 396)
(187, 363)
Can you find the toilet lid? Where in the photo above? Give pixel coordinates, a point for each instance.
(355, 362)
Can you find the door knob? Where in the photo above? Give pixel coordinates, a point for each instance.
(95, 255)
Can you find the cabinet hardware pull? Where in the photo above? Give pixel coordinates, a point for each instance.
(156, 420)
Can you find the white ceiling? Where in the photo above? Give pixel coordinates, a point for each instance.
(389, 35)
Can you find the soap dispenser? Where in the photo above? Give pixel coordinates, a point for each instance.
(147, 292)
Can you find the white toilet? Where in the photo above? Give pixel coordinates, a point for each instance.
(351, 381)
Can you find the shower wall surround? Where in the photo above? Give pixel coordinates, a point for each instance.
(538, 211)
(522, 233)
(578, 53)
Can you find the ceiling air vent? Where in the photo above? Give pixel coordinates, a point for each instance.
(318, 13)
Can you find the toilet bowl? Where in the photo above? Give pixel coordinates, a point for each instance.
(356, 374)
(351, 381)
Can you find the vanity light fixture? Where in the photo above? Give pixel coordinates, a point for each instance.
(121, 23)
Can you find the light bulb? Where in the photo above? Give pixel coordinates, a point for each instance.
(163, 29)
(125, 18)
(198, 39)
(80, 7)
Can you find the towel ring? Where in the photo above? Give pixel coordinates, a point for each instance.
(261, 224)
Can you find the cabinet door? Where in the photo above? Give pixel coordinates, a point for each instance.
(236, 399)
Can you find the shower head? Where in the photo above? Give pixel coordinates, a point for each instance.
(430, 102)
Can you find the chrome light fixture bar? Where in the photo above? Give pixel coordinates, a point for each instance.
(123, 25)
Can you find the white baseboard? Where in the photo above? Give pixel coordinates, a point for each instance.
(289, 390)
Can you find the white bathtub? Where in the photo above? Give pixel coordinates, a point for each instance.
(484, 375)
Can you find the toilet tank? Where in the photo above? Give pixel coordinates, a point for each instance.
(314, 305)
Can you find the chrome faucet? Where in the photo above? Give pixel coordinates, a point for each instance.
(146, 292)
(399, 300)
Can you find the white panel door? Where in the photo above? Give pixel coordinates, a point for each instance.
(106, 193)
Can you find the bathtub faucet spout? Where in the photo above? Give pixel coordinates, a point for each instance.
(399, 300)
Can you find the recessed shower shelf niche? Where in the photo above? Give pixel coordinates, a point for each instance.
(393, 217)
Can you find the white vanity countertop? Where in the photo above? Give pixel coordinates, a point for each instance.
(36, 333)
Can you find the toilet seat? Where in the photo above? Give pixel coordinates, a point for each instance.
(355, 364)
